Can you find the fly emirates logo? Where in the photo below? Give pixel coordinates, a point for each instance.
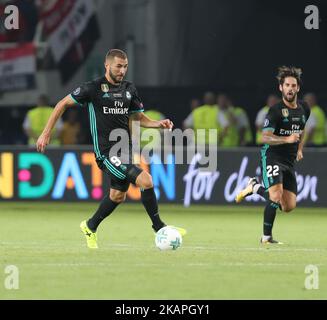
(295, 129)
(118, 109)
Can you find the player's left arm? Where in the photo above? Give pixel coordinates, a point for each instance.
(147, 122)
(299, 155)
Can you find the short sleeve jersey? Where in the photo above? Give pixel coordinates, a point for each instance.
(109, 108)
(284, 121)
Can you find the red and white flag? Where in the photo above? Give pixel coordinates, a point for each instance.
(18, 67)
(71, 29)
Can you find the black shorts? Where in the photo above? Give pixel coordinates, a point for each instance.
(121, 174)
(274, 172)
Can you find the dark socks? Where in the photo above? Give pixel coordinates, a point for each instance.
(269, 217)
(150, 204)
(105, 208)
(263, 192)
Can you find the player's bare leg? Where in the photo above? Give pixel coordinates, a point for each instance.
(144, 180)
(117, 196)
(149, 200)
(288, 201)
(276, 192)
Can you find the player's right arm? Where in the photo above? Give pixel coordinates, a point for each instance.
(57, 112)
(79, 96)
(269, 138)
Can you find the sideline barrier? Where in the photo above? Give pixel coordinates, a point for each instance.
(71, 174)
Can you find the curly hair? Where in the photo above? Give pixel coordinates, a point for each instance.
(284, 72)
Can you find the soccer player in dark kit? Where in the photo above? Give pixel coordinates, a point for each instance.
(283, 133)
(112, 102)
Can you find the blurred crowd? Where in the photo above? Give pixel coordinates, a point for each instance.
(234, 127)
(211, 112)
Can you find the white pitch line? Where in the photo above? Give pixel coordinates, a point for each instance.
(255, 248)
(103, 264)
(7, 245)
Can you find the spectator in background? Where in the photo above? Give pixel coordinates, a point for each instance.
(188, 122)
(37, 118)
(194, 103)
(243, 118)
(71, 128)
(149, 132)
(261, 116)
(207, 117)
(315, 134)
(238, 132)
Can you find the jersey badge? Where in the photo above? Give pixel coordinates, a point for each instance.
(285, 112)
(77, 91)
(128, 95)
(104, 87)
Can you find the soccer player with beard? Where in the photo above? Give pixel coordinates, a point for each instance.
(282, 135)
(112, 102)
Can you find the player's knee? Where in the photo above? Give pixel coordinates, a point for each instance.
(288, 208)
(276, 196)
(148, 183)
(145, 181)
(117, 196)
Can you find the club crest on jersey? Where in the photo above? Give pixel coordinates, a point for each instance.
(77, 91)
(128, 95)
(104, 87)
(285, 112)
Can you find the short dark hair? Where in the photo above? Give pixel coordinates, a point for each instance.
(284, 72)
(116, 53)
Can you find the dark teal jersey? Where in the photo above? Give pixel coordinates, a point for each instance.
(109, 108)
(284, 121)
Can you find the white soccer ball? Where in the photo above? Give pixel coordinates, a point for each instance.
(168, 238)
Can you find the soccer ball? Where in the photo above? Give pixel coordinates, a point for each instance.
(168, 238)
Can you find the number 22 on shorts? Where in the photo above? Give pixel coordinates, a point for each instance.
(272, 171)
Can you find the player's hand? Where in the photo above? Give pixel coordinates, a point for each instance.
(293, 138)
(166, 124)
(299, 155)
(42, 142)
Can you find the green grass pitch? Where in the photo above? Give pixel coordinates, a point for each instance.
(221, 257)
